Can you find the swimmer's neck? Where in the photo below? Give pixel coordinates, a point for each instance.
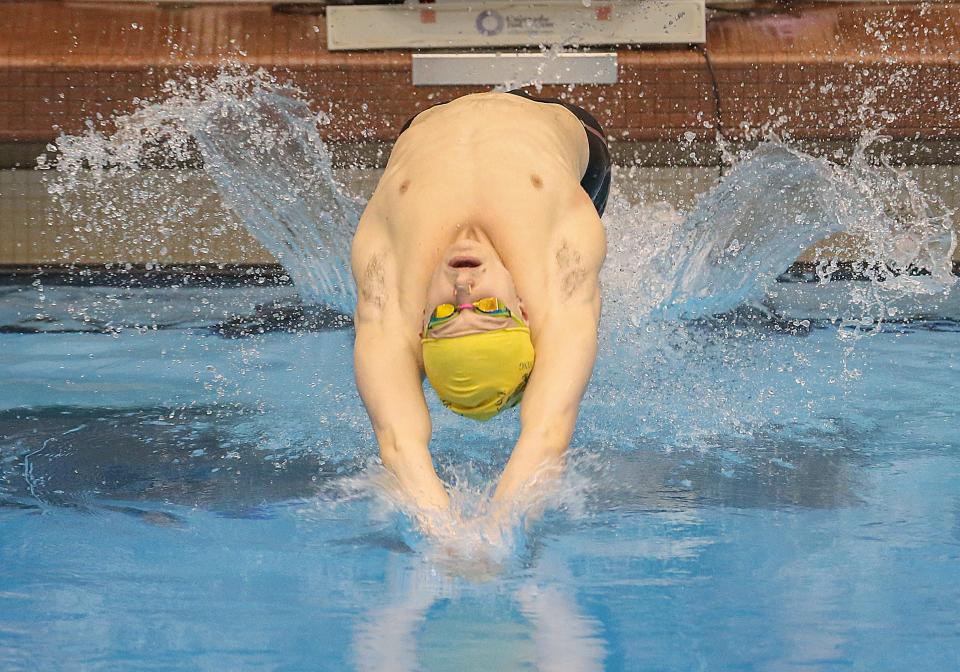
(472, 231)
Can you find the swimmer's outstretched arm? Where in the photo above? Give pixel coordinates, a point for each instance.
(566, 347)
(388, 378)
(387, 370)
(548, 413)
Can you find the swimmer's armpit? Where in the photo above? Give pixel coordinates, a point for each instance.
(373, 285)
(572, 271)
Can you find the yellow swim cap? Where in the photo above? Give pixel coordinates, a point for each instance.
(479, 375)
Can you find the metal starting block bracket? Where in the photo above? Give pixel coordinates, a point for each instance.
(514, 69)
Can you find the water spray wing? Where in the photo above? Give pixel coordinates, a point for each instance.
(271, 167)
(776, 203)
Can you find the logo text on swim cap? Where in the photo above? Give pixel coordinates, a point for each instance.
(489, 22)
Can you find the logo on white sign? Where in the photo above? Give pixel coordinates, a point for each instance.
(489, 22)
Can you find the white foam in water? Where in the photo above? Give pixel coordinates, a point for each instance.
(659, 373)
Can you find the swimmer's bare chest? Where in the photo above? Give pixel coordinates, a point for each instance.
(489, 158)
(511, 168)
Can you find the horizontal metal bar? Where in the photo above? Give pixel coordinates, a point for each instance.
(514, 69)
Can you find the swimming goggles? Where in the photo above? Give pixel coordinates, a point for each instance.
(488, 306)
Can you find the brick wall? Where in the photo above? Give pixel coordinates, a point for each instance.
(818, 72)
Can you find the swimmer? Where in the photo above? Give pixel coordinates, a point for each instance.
(477, 263)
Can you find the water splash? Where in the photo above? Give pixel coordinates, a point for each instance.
(667, 376)
(258, 142)
(773, 205)
(692, 352)
(475, 538)
(272, 168)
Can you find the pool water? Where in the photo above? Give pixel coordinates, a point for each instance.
(739, 496)
(765, 474)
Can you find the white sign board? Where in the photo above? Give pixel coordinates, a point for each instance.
(491, 23)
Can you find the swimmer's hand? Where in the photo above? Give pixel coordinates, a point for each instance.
(437, 523)
(475, 548)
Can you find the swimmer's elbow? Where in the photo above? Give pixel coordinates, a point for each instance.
(391, 455)
(387, 440)
(396, 450)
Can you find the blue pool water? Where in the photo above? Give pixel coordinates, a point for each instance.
(739, 497)
(765, 475)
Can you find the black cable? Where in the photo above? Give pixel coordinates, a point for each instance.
(718, 111)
